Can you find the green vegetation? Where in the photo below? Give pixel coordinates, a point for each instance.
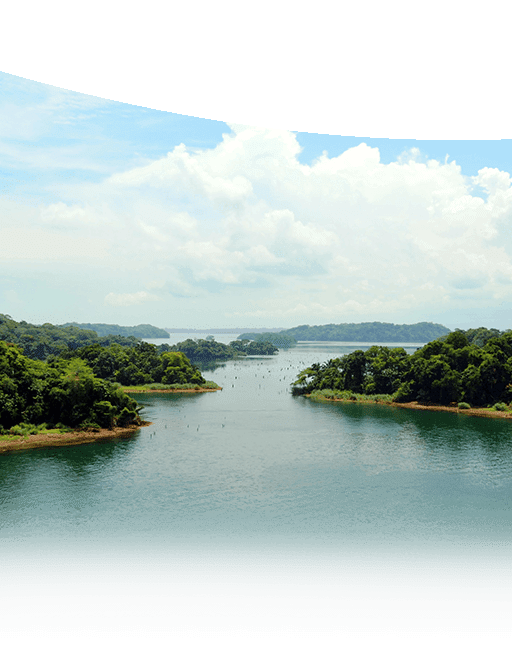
(141, 364)
(368, 332)
(209, 384)
(259, 347)
(479, 336)
(346, 395)
(40, 342)
(208, 351)
(141, 331)
(69, 377)
(446, 371)
(279, 340)
(57, 393)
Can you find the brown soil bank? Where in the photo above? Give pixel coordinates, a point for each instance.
(474, 412)
(414, 405)
(72, 438)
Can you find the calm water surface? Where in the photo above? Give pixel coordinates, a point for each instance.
(252, 467)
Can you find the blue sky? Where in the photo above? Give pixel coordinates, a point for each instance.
(120, 213)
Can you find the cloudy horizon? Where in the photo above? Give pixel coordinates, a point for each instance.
(119, 214)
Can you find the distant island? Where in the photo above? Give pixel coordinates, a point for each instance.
(209, 351)
(280, 340)
(140, 331)
(222, 331)
(376, 331)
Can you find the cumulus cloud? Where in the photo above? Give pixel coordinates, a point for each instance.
(347, 235)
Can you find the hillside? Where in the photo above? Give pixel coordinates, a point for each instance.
(368, 332)
(140, 331)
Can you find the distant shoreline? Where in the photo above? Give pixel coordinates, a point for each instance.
(72, 438)
(414, 405)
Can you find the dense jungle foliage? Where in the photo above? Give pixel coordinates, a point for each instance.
(60, 392)
(43, 342)
(39, 342)
(282, 341)
(207, 351)
(141, 331)
(368, 332)
(444, 371)
(141, 364)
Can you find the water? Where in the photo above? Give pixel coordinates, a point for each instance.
(273, 481)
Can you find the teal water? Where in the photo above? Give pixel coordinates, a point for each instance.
(253, 468)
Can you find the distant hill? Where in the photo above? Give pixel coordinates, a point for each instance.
(140, 331)
(222, 331)
(281, 340)
(368, 332)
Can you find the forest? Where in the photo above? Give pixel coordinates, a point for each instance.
(69, 377)
(468, 368)
(279, 340)
(39, 342)
(141, 331)
(65, 375)
(142, 364)
(42, 342)
(208, 351)
(58, 393)
(368, 332)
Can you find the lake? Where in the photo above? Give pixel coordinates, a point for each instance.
(252, 474)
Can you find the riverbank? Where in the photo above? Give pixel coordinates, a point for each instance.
(414, 405)
(149, 390)
(51, 439)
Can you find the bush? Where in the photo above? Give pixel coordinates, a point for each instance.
(25, 429)
(128, 417)
(209, 384)
(464, 406)
(89, 425)
(104, 413)
(500, 407)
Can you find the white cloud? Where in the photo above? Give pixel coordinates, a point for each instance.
(37, 244)
(352, 235)
(339, 221)
(128, 299)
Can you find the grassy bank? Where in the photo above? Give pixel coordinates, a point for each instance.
(46, 438)
(209, 386)
(499, 411)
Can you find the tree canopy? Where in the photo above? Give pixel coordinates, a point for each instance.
(368, 332)
(59, 392)
(280, 340)
(39, 342)
(141, 331)
(444, 371)
(141, 364)
(208, 351)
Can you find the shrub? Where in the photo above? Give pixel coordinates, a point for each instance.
(128, 417)
(500, 407)
(25, 429)
(104, 414)
(463, 406)
(89, 425)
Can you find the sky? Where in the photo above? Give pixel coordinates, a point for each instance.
(111, 212)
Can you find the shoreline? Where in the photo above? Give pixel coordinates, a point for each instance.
(72, 438)
(414, 405)
(170, 391)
